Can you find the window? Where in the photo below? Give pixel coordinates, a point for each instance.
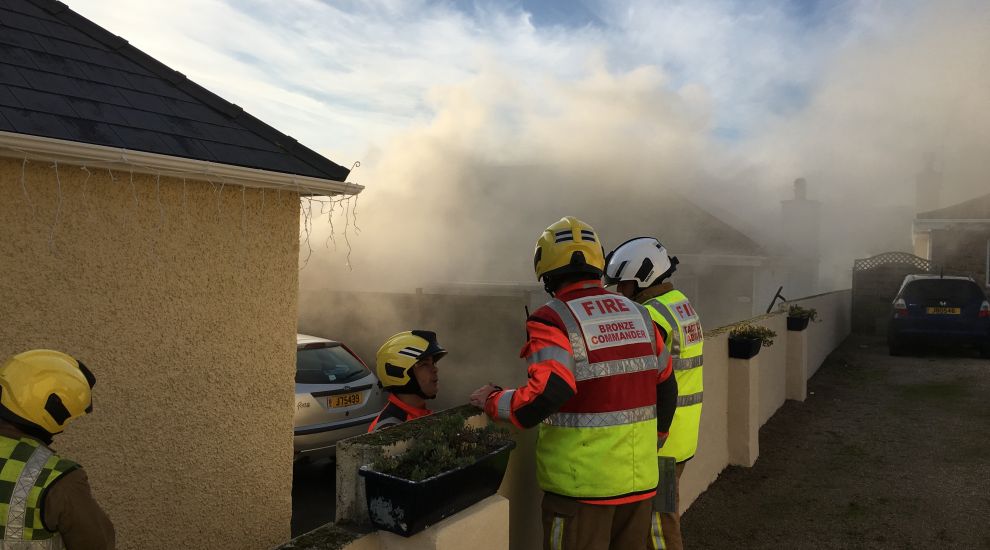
(332, 365)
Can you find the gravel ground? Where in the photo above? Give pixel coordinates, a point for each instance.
(314, 490)
(886, 452)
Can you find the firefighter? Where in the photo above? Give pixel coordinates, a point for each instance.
(46, 499)
(407, 368)
(640, 267)
(597, 367)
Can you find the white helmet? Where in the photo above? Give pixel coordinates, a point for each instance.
(642, 259)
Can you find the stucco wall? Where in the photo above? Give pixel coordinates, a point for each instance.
(183, 303)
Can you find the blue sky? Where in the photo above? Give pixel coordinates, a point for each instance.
(343, 76)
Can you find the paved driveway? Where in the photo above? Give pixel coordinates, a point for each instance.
(885, 453)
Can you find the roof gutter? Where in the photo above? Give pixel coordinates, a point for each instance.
(927, 224)
(23, 146)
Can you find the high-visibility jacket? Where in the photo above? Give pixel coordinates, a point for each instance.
(28, 469)
(685, 339)
(603, 354)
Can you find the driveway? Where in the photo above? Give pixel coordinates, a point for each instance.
(886, 452)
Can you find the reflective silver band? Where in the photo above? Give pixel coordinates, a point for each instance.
(618, 366)
(689, 363)
(555, 353)
(664, 357)
(649, 324)
(504, 405)
(574, 334)
(17, 508)
(688, 400)
(54, 543)
(557, 534)
(386, 422)
(656, 533)
(675, 329)
(602, 420)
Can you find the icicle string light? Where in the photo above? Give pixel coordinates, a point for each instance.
(58, 212)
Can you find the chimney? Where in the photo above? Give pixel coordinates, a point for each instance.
(801, 231)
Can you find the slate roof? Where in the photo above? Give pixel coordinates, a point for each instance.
(64, 77)
(973, 209)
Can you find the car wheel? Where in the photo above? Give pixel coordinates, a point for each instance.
(985, 350)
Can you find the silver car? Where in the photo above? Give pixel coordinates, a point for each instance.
(337, 395)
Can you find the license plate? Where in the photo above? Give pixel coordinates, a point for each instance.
(942, 310)
(343, 400)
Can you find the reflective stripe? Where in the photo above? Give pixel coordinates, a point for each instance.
(601, 420)
(504, 405)
(557, 534)
(17, 508)
(675, 332)
(555, 353)
(54, 543)
(574, 334)
(689, 363)
(656, 533)
(687, 400)
(649, 323)
(386, 422)
(615, 367)
(664, 357)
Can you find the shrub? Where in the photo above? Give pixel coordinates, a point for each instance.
(447, 444)
(754, 332)
(803, 313)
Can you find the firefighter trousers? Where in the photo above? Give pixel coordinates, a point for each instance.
(572, 525)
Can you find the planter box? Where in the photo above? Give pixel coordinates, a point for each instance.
(407, 507)
(797, 324)
(744, 348)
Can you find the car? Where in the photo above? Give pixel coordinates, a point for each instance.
(939, 309)
(337, 396)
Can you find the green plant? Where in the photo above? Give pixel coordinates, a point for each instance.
(446, 444)
(754, 332)
(803, 313)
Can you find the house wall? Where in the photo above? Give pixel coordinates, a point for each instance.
(181, 297)
(962, 251)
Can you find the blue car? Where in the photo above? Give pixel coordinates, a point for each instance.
(932, 309)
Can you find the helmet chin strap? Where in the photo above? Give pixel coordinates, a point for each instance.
(413, 387)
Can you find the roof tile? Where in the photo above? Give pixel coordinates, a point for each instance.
(4, 125)
(42, 102)
(92, 132)
(141, 140)
(15, 55)
(95, 110)
(7, 98)
(35, 123)
(10, 76)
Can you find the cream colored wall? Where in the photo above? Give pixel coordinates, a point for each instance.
(835, 322)
(182, 300)
(772, 369)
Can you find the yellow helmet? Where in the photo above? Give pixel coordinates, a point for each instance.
(396, 357)
(44, 389)
(569, 246)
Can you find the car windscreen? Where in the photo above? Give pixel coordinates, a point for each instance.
(951, 291)
(332, 365)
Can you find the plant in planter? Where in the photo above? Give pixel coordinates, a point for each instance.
(799, 317)
(746, 340)
(448, 467)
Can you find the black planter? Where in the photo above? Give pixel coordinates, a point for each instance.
(744, 348)
(407, 507)
(797, 324)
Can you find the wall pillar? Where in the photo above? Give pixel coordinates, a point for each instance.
(744, 411)
(797, 365)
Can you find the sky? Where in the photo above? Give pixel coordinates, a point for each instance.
(726, 102)
(342, 77)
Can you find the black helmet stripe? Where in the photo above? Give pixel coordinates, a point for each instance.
(645, 270)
